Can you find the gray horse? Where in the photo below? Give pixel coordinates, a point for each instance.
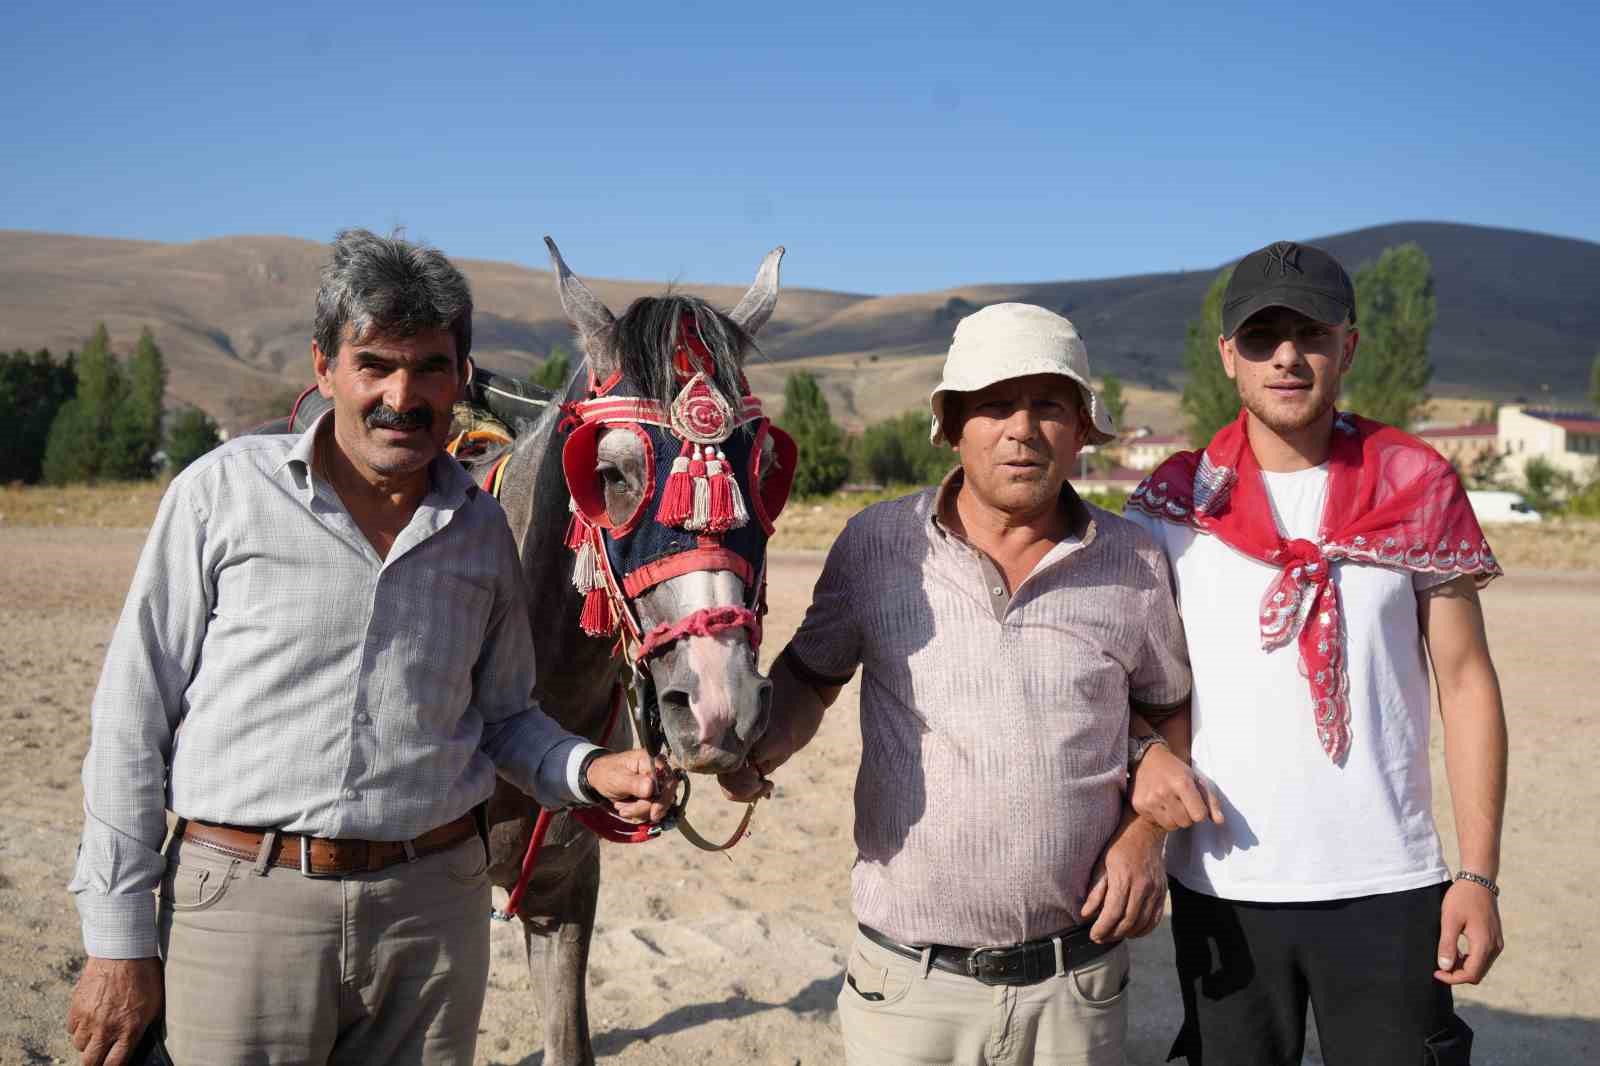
(713, 703)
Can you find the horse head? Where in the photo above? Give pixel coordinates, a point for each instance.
(676, 478)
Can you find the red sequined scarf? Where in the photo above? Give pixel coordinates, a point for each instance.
(1392, 501)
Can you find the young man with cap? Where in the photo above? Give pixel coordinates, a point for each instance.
(1321, 560)
(1004, 628)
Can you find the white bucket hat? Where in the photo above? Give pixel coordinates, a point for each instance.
(1005, 341)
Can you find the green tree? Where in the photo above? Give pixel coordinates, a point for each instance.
(1545, 486)
(1210, 400)
(1395, 309)
(897, 451)
(193, 433)
(136, 422)
(823, 464)
(1111, 396)
(80, 434)
(33, 388)
(552, 374)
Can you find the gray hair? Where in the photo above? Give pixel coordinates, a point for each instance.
(387, 286)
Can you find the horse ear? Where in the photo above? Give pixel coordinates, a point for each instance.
(758, 304)
(588, 315)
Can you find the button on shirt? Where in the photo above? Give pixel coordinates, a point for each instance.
(270, 670)
(994, 727)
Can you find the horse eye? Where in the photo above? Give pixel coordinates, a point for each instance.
(612, 476)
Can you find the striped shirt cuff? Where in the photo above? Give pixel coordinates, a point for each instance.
(118, 926)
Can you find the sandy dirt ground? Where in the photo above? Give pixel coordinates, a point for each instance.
(703, 959)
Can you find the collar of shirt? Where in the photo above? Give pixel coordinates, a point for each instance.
(1081, 531)
(450, 488)
(449, 485)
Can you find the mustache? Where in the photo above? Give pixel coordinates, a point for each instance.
(385, 417)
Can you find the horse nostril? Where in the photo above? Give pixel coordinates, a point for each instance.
(673, 699)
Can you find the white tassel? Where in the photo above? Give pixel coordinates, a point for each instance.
(741, 513)
(585, 571)
(702, 506)
(700, 512)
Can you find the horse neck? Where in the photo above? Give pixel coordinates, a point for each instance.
(575, 672)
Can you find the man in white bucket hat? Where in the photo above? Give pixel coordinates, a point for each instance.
(1005, 629)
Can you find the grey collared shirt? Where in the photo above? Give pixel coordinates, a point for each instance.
(994, 724)
(270, 670)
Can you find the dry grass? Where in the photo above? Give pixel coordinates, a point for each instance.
(1552, 544)
(808, 524)
(115, 505)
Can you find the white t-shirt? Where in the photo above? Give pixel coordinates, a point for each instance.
(1297, 826)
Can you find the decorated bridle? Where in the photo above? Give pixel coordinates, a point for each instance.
(721, 493)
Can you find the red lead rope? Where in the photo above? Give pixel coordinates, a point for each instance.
(541, 825)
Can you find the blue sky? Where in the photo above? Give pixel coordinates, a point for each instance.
(890, 148)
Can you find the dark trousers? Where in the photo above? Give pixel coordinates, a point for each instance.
(1364, 965)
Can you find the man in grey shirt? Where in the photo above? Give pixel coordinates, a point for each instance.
(323, 662)
(1004, 629)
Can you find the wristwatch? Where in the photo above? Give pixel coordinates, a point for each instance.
(1139, 747)
(590, 794)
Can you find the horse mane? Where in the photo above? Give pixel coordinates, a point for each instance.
(644, 337)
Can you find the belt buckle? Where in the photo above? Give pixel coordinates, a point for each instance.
(980, 964)
(305, 859)
(997, 966)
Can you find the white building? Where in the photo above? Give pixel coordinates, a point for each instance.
(1567, 440)
(1144, 450)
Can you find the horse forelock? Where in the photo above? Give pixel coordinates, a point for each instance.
(644, 338)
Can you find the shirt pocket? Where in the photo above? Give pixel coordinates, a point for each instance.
(438, 623)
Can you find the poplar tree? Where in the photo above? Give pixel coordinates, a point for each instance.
(1395, 310)
(80, 435)
(1210, 400)
(823, 464)
(136, 422)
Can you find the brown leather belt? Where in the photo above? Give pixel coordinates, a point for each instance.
(321, 857)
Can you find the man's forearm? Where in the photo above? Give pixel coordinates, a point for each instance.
(1474, 719)
(1475, 762)
(797, 710)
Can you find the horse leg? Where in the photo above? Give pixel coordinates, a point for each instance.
(558, 963)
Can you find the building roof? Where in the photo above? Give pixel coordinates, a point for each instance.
(1156, 439)
(1571, 421)
(1471, 429)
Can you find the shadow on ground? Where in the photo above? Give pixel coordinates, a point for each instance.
(1503, 1037)
(816, 998)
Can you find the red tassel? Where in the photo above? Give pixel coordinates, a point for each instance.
(720, 518)
(677, 497)
(577, 532)
(596, 618)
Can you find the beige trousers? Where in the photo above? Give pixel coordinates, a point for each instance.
(893, 1011)
(274, 967)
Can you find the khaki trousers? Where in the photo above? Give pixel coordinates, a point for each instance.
(893, 1011)
(264, 965)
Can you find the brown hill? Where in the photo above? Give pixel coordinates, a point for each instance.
(1519, 313)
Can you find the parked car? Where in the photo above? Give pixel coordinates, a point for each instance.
(1499, 506)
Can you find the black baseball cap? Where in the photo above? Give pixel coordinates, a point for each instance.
(1285, 274)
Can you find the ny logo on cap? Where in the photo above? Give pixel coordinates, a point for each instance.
(1284, 256)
